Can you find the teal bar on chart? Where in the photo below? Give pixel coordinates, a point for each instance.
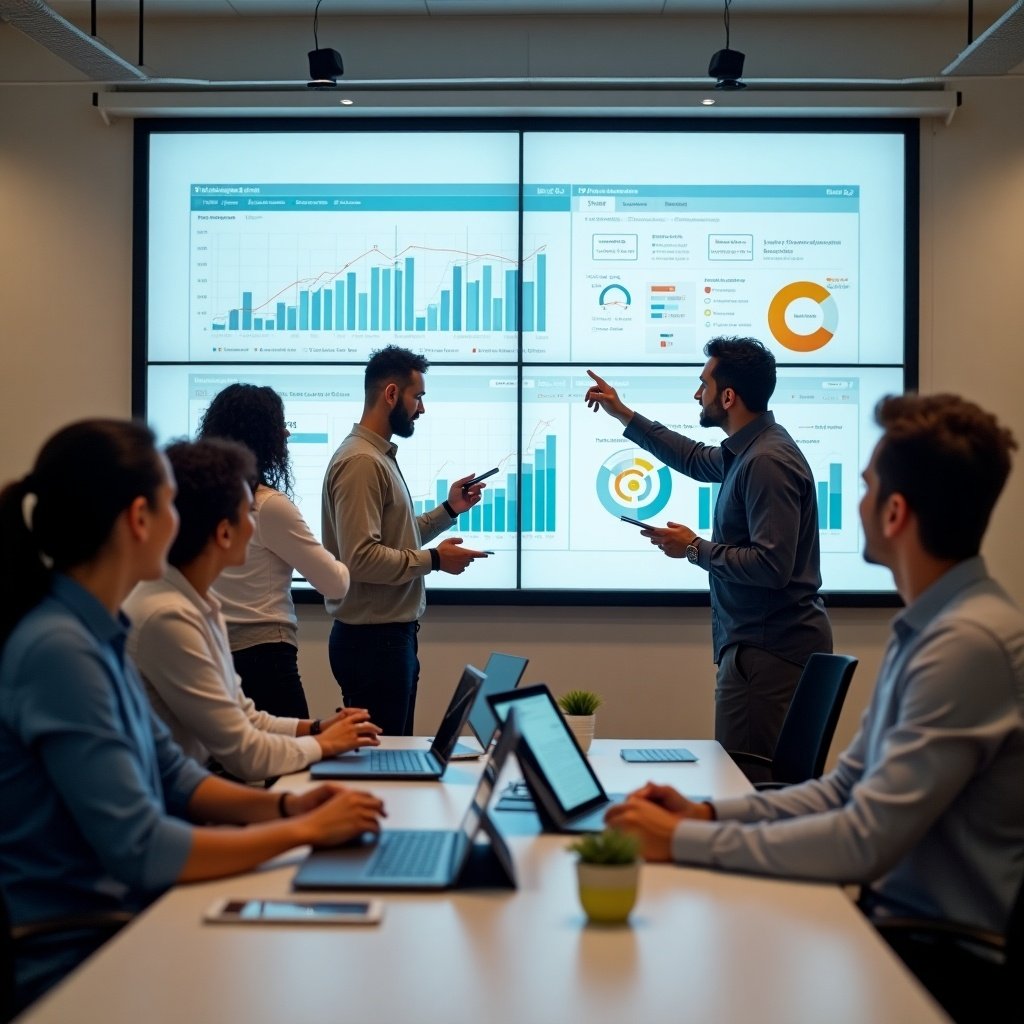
(549, 460)
(350, 301)
(822, 505)
(499, 509)
(540, 488)
(456, 298)
(246, 311)
(510, 300)
(410, 292)
(399, 322)
(835, 496)
(280, 316)
(446, 310)
(233, 320)
(291, 318)
(542, 269)
(487, 298)
(303, 311)
(328, 309)
(314, 319)
(385, 311)
(473, 306)
(375, 298)
(527, 498)
(362, 310)
(257, 323)
(432, 317)
(339, 304)
(528, 305)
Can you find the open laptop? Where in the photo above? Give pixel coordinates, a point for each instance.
(567, 795)
(371, 763)
(425, 858)
(502, 672)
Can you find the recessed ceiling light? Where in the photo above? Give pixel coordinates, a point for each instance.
(705, 102)
(348, 103)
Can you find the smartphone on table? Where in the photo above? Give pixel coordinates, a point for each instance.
(241, 911)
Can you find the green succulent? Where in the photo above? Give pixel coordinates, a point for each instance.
(579, 702)
(608, 847)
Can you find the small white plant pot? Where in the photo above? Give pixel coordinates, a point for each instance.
(608, 891)
(582, 727)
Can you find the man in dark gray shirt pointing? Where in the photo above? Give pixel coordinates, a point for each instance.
(763, 558)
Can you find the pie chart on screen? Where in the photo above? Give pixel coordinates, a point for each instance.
(800, 305)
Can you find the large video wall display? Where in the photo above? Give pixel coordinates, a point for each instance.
(515, 257)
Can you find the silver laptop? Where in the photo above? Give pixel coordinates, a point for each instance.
(503, 672)
(370, 763)
(424, 858)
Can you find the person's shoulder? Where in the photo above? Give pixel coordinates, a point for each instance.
(986, 608)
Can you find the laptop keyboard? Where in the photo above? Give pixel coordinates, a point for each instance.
(397, 761)
(408, 854)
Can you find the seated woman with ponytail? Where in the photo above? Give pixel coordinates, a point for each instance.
(99, 803)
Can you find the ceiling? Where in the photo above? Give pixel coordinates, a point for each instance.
(985, 10)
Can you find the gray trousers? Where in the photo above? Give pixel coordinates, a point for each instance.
(753, 689)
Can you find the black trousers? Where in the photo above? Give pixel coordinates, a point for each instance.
(378, 668)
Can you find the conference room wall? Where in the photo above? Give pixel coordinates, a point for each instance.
(65, 254)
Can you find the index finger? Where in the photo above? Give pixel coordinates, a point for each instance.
(600, 381)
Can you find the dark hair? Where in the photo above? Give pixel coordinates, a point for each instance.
(391, 364)
(84, 477)
(211, 476)
(746, 366)
(949, 459)
(253, 416)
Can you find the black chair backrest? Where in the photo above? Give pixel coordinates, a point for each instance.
(810, 722)
(6, 963)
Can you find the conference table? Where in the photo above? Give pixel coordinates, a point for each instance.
(701, 946)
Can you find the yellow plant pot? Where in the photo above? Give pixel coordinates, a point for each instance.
(608, 891)
(582, 727)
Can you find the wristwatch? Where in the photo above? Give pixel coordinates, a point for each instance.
(692, 551)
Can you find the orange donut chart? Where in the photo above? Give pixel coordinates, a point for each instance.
(789, 338)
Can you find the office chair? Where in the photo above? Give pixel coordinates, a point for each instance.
(16, 938)
(810, 723)
(970, 972)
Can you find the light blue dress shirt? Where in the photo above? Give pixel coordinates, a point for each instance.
(925, 805)
(94, 789)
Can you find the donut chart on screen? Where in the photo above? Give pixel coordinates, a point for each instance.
(630, 482)
(785, 335)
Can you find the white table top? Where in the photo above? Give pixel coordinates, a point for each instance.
(702, 946)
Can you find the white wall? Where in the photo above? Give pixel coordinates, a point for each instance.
(65, 288)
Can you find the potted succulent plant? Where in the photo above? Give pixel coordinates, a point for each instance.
(579, 708)
(608, 873)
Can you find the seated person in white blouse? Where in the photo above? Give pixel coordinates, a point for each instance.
(179, 642)
(256, 597)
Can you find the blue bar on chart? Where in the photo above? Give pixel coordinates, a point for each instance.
(707, 498)
(473, 296)
(830, 499)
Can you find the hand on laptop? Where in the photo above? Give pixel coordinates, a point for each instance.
(651, 813)
(335, 814)
(348, 730)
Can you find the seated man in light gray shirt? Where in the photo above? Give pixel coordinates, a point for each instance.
(179, 640)
(924, 807)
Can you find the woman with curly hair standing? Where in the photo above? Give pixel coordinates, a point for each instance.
(256, 597)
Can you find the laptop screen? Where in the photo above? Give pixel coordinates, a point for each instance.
(540, 723)
(457, 713)
(503, 672)
(489, 778)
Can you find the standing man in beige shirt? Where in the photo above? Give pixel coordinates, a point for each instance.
(370, 525)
